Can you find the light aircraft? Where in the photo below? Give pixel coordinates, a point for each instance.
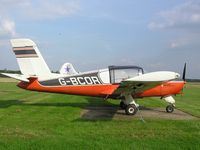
(126, 83)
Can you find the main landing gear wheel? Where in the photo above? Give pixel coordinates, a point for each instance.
(131, 109)
(122, 105)
(170, 108)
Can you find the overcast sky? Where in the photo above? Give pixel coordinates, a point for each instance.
(93, 34)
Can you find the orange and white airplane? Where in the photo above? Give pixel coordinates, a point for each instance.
(126, 83)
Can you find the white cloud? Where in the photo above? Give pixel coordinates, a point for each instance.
(7, 27)
(7, 30)
(31, 10)
(51, 9)
(39, 9)
(182, 21)
(185, 16)
(180, 42)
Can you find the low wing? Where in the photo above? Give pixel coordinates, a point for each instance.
(146, 81)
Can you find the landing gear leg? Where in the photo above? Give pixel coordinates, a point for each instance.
(171, 106)
(122, 105)
(131, 106)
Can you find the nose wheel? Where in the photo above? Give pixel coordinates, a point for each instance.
(170, 108)
(171, 101)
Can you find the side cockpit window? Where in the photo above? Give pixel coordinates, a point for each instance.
(118, 74)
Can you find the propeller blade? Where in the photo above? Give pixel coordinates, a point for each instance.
(184, 72)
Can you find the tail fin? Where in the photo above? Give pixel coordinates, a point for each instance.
(68, 69)
(31, 62)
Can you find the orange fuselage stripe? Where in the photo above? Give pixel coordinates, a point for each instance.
(168, 88)
(98, 90)
(102, 90)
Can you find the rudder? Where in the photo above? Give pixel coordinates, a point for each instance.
(29, 58)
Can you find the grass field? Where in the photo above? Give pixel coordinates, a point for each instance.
(32, 120)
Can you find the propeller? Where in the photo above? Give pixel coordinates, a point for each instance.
(184, 79)
(184, 72)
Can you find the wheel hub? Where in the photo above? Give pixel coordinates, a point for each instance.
(131, 110)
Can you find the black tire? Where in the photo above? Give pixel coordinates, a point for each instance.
(122, 105)
(169, 108)
(131, 109)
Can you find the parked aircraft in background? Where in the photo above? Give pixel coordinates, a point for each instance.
(126, 83)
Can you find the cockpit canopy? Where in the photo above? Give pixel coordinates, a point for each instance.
(120, 73)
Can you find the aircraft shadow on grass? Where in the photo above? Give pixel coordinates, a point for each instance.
(93, 109)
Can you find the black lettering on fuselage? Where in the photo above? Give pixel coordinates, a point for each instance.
(88, 80)
(95, 80)
(81, 80)
(73, 81)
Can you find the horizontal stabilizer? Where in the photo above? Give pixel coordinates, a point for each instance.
(17, 76)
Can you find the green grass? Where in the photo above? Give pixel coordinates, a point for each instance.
(32, 120)
(190, 100)
(5, 79)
